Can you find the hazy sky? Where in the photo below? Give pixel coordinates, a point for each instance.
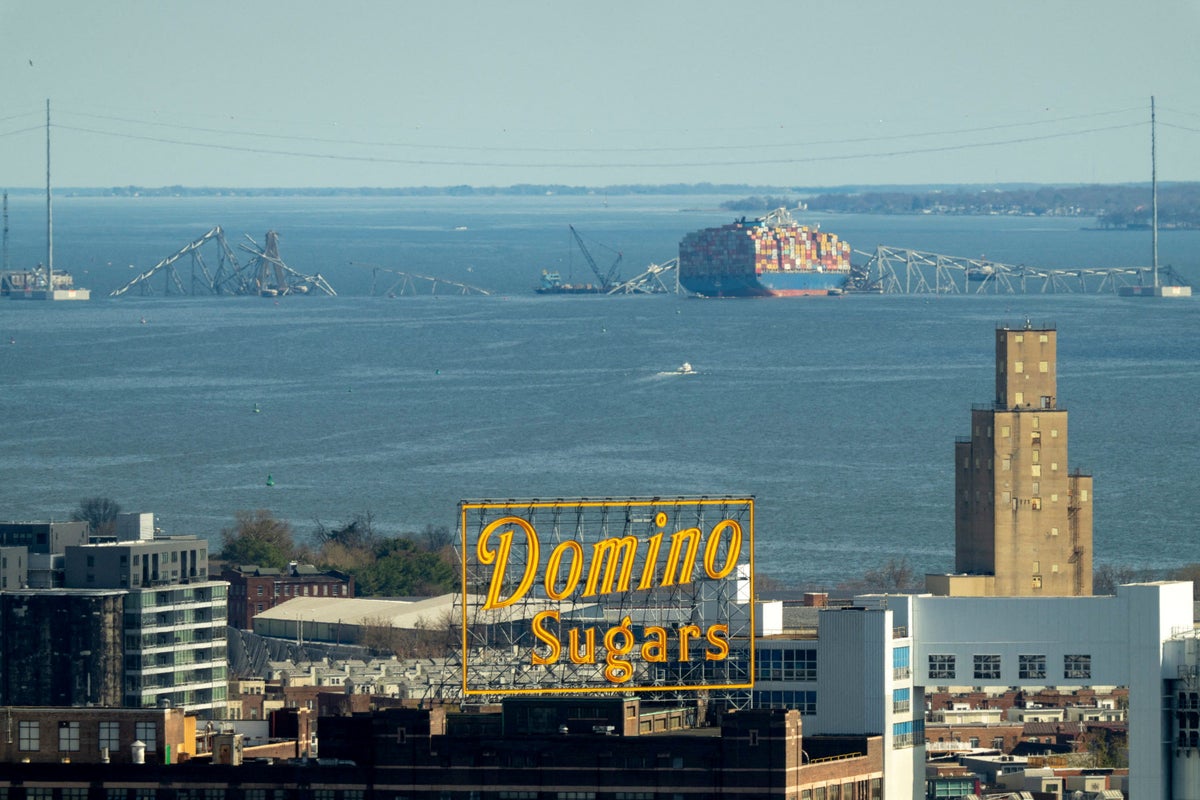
(399, 93)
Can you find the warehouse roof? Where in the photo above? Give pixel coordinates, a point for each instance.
(360, 610)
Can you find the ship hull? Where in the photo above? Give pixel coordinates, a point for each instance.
(795, 284)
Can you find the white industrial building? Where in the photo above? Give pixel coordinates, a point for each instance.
(870, 665)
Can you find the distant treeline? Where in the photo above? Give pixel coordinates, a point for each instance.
(1112, 205)
(520, 189)
(1120, 206)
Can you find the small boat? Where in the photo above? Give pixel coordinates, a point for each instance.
(684, 369)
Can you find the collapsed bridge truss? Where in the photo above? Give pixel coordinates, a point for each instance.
(265, 274)
(893, 270)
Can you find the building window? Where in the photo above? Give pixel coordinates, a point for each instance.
(1076, 666)
(1018, 366)
(804, 702)
(1031, 667)
(997, 742)
(68, 737)
(901, 700)
(110, 736)
(785, 665)
(147, 735)
(259, 589)
(987, 668)
(28, 736)
(900, 663)
(941, 666)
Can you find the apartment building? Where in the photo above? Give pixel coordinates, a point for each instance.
(173, 631)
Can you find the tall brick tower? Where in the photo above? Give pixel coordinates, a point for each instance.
(1023, 522)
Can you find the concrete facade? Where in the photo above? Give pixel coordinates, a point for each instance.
(1069, 641)
(14, 568)
(1023, 521)
(43, 537)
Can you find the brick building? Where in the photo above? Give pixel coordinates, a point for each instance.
(254, 589)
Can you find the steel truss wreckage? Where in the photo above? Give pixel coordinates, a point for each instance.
(410, 283)
(265, 274)
(893, 270)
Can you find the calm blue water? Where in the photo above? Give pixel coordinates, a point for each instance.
(838, 415)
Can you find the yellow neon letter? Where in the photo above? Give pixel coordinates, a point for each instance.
(576, 570)
(619, 669)
(548, 638)
(686, 632)
(654, 648)
(588, 654)
(499, 558)
(609, 555)
(682, 572)
(720, 646)
(714, 542)
(650, 566)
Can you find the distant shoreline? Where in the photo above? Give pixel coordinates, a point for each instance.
(1123, 206)
(561, 189)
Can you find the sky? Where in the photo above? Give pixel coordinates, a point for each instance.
(394, 93)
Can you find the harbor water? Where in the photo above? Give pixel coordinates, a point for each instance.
(837, 414)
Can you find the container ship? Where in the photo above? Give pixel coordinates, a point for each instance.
(770, 257)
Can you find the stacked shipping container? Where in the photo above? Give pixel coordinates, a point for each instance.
(757, 258)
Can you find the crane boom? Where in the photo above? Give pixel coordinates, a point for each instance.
(606, 281)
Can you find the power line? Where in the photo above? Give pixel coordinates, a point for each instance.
(675, 149)
(604, 165)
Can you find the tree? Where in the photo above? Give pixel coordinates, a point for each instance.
(401, 568)
(258, 538)
(100, 513)
(1106, 578)
(437, 537)
(357, 534)
(894, 577)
